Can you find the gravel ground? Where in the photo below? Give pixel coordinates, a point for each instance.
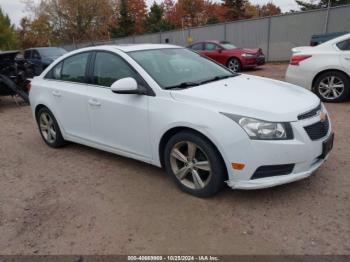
(79, 200)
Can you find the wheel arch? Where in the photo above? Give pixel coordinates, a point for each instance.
(174, 130)
(37, 108)
(40, 106)
(231, 57)
(326, 71)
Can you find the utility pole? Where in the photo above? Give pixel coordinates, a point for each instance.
(327, 17)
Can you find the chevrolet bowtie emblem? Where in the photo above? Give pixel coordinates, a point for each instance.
(323, 116)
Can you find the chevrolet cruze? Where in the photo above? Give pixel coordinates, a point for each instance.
(171, 107)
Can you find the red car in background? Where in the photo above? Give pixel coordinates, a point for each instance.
(229, 55)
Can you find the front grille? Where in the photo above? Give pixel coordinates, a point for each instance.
(275, 170)
(317, 130)
(310, 113)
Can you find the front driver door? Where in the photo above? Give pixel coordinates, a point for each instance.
(119, 121)
(213, 51)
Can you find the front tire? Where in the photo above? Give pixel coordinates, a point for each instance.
(194, 164)
(49, 129)
(332, 86)
(234, 64)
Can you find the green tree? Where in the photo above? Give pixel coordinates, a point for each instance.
(155, 21)
(8, 35)
(316, 4)
(212, 19)
(235, 9)
(125, 24)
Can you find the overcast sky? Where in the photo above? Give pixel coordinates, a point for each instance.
(15, 8)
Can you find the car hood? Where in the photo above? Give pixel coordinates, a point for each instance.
(251, 96)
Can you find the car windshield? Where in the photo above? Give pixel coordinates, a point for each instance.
(52, 51)
(179, 67)
(228, 45)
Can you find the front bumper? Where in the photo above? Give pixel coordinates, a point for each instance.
(276, 180)
(253, 61)
(303, 152)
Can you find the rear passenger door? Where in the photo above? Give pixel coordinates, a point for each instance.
(68, 88)
(119, 121)
(214, 52)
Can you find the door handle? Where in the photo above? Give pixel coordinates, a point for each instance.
(94, 102)
(347, 58)
(56, 93)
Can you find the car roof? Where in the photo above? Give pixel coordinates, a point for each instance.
(43, 47)
(125, 47)
(207, 41)
(137, 47)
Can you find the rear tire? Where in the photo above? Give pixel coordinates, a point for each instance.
(332, 86)
(49, 129)
(234, 64)
(194, 164)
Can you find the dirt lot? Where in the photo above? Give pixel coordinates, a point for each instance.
(79, 200)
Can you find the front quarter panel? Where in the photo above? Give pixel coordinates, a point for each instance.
(167, 113)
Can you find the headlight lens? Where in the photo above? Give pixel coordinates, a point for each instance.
(247, 55)
(263, 130)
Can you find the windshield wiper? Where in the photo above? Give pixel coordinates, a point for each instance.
(216, 78)
(182, 85)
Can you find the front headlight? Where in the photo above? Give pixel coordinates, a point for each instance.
(263, 130)
(247, 55)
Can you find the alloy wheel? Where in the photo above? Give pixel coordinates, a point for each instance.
(47, 127)
(233, 65)
(331, 87)
(190, 165)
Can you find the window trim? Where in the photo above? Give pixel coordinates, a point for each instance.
(90, 73)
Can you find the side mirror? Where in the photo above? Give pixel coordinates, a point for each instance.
(127, 85)
(220, 50)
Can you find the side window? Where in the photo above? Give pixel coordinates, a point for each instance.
(344, 45)
(73, 68)
(27, 54)
(197, 47)
(109, 68)
(211, 46)
(35, 54)
(55, 73)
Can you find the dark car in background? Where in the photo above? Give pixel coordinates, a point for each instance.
(42, 57)
(229, 55)
(319, 39)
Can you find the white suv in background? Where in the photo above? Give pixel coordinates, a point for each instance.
(324, 69)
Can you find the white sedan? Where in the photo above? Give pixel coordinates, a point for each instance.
(324, 69)
(168, 106)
